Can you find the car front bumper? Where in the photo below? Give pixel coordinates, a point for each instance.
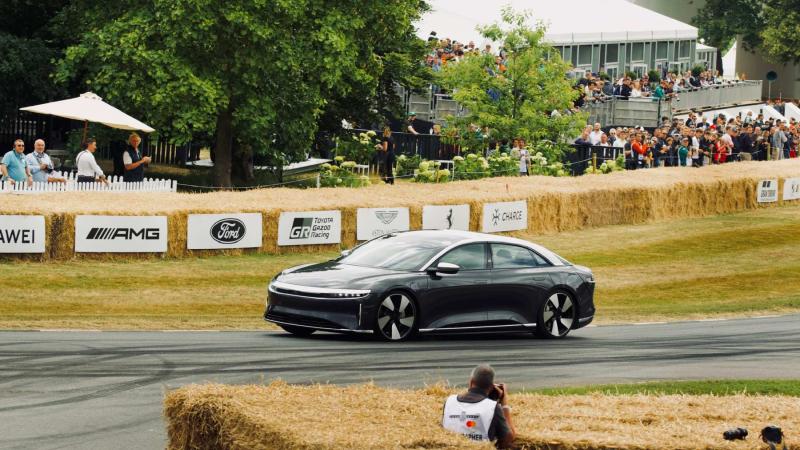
(317, 310)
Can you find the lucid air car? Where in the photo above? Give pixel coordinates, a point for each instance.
(401, 284)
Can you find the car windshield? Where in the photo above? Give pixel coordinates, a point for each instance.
(396, 252)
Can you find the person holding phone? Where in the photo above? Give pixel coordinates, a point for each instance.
(482, 413)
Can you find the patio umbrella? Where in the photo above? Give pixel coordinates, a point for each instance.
(89, 107)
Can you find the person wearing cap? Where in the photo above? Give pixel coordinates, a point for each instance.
(412, 117)
(683, 151)
(482, 413)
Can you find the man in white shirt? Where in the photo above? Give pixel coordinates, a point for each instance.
(594, 136)
(88, 170)
(40, 164)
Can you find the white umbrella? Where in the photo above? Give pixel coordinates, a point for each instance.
(90, 108)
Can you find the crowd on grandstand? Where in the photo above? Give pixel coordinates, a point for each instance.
(696, 141)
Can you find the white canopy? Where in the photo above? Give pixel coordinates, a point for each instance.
(567, 21)
(90, 108)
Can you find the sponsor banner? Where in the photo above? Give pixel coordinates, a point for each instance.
(22, 234)
(219, 231)
(374, 222)
(767, 191)
(791, 189)
(310, 227)
(121, 234)
(445, 217)
(506, 216)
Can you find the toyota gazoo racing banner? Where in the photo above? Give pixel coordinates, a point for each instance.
(310, 228)
(121, 234)
(374, 222)
(220, 231)
(506, 216)
(22, 234)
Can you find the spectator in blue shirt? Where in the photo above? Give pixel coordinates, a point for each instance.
(14, 167)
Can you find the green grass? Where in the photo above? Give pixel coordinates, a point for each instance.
(706, 387)
(725, 266)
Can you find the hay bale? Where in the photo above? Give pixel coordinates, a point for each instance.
(554, 204)
(281, 416)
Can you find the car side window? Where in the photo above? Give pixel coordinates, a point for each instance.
(506, 256)
(468, 257)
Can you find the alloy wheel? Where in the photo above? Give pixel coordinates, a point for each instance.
(396, 317)
(558, 315)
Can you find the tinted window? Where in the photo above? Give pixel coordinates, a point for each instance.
(515, 257)
(468, 257)
(395, 252)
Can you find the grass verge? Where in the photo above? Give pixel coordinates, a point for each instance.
(789, 388)
(723, 266)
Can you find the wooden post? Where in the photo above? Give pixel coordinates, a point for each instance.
(594, 161)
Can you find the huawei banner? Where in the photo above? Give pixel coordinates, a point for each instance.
(791, 189)
(449, 217)
(506, 216)
(22, 234)
(220, 231)
(374, 222)
(310, 227)
(121, 234)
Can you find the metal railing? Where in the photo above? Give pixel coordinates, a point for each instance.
(719, 95)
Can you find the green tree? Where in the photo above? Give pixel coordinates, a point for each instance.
(772, 26)
(517, 102)
(256, 74)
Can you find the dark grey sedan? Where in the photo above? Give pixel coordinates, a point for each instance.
(413, 282)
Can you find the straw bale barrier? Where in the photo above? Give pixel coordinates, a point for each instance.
(554, 204)
(281, 416)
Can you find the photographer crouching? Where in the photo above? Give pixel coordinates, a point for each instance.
(482, 413)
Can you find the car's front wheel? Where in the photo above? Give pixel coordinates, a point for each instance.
(396, 318)
(556, 316)
(298, 331)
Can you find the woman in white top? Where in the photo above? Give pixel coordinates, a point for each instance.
(636, 90)
(88, 170)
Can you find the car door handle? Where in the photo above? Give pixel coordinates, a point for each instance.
(481, 281)
(539, 277)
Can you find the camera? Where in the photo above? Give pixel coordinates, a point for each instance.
(735, 434)
(495, 394)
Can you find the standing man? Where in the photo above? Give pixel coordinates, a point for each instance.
(14, 166)
(40, 165)
(88, 170)
(477, 416)
(778, 140)
(133, 160)
(412, 117)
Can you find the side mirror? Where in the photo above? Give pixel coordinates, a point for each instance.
(444, 268)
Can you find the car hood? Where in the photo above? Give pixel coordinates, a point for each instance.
(332, 274)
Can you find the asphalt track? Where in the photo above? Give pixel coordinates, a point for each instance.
(103, 390)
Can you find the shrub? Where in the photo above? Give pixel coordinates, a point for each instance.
(607, 166)
(697, 70)
(342, 175)
(502, 165)
(405, 165)
(654, 76)
(359, 148)
(428, 172)
(470, 167)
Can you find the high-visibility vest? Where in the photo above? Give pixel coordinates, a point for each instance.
(470, 419)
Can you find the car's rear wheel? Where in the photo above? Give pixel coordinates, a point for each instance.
(298, 331)
(557, 315)
(396, 319)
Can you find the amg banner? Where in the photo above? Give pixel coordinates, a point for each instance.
(22, 234)
(310, 227)
(374, 222)
(120, 234)
(506, 216)
(220, 231)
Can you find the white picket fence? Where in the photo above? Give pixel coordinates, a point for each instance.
(115, 184)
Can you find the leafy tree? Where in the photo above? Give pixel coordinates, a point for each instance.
(256, 74)
(769, 25)
(518, 101)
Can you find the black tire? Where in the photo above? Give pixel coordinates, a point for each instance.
(298, 331)
(396, 317)
(557, 315)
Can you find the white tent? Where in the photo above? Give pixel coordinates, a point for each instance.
(90, 108)
(567, 21)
